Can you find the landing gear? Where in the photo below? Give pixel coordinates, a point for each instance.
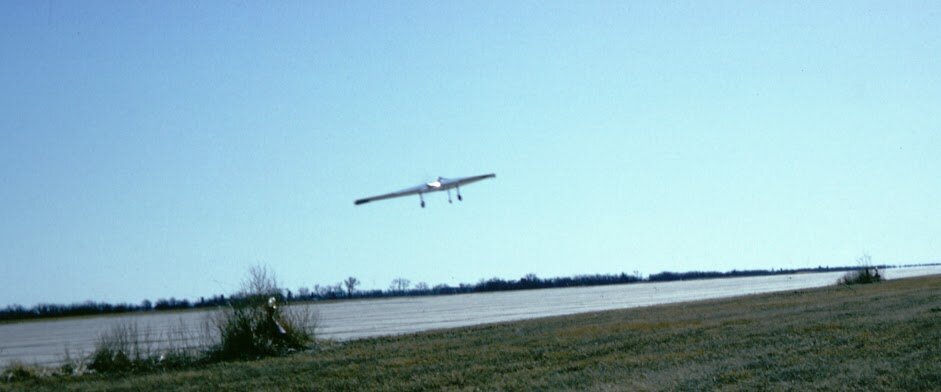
(422, 198)
(449, 196)
(459, 198)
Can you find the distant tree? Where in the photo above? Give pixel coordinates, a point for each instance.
(421, 286)
(146, 305)
(442, 288)
(351, 284)
(303, 292)
(529, 281)
(329, 291)
(336, 291)
(399, 285)
(162, 304)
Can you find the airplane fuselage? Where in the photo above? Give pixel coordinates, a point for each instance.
(441, 184)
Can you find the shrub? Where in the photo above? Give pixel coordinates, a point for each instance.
(253, 325)
(867, 273)
(115, 349)
(17, 371)
(72, 366)
(124, 349)
(862, 276)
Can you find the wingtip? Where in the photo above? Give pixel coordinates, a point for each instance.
(361, 201)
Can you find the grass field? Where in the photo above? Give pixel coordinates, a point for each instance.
(884, 336)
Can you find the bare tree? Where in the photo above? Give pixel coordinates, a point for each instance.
(399, 284)
(864, 261)
(421, 286)
(351, 284)
(261, 281)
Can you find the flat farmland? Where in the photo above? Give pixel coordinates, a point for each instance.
(884, 336)
(46, 342)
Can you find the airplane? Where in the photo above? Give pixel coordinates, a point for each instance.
(439, 184)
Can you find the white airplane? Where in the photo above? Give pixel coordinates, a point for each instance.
(440, 184)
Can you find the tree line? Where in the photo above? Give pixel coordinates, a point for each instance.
(19, 312)
(399, 287)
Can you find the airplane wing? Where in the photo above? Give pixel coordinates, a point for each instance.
(441, 184)
(405, 192)
(468, 180)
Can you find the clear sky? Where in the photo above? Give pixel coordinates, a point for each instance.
(159, 148)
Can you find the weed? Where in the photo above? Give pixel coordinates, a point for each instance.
(252, 326)
(17, 371)
(72, 366)
(121, 349)
(255, 326)
(862, 276)
(867, 273)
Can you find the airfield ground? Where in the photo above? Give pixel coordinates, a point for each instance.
(884, 336)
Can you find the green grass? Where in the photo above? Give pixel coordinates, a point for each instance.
(864, 337)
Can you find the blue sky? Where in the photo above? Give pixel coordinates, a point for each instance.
(157, 149)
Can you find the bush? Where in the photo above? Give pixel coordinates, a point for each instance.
(72, 366)
(17, 371)
(862, 276)
(115, 348)
(253, 325)
(124, 349)
(867, 273)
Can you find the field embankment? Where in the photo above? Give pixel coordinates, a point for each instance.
(884, 336)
